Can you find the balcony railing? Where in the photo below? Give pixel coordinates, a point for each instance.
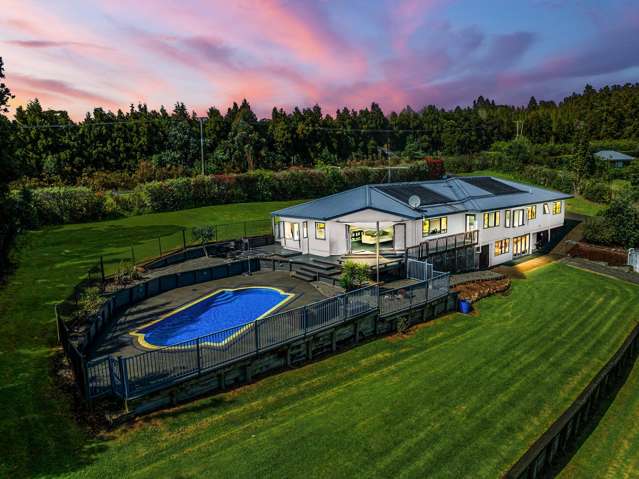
(444, 243)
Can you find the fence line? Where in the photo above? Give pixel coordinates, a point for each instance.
(556, 440)
(152, 370)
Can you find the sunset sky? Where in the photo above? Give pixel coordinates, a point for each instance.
(76, 55)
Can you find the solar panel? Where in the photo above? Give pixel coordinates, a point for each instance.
(491, 185)
(404, 192)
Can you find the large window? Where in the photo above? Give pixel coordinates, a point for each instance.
(546, 209)
(502, 247)
(556, 207)
(292, 231)
(532, 212)
(320, 230)
(491, 219)
(508, 216)
(305, 229)
(518, 218)
(434, 226)
(521, 244)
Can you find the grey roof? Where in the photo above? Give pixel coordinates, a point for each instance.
(611, 155)
(437, 197)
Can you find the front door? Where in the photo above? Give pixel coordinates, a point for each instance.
(484, 257)
(399, 237)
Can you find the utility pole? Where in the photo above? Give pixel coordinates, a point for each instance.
(519, 126)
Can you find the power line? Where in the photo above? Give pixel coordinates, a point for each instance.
(124, 122)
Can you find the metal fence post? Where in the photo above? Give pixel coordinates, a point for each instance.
(124, 377)
(199, 356)
(305, 319)
(257, 337)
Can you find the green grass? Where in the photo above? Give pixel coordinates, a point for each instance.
(464, 396)
(577, 205)
(612, 449)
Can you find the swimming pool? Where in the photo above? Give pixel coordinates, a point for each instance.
(225, 311)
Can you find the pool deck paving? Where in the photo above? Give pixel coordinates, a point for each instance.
(117, 340)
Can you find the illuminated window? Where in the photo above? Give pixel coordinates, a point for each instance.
(434, 226)
(546, 209)
(502, 246)
(507, 221)
(305, 229)
(292, 231)
(491, 219)
(556, 207)
(532, 212)
(518, 218)
(320, 231)
(521, 245)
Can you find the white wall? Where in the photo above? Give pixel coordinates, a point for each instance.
(336, 242)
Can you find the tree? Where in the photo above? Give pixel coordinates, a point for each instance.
(7, 220)
(583, 162)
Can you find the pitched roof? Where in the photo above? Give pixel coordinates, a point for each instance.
(611, 155)
(437, 197)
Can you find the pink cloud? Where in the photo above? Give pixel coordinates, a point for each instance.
(56, 88)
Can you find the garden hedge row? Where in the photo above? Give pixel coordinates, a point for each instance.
(73, 204)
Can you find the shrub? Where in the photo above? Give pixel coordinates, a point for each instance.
(203, 234)
(617, 225)
(597, 191)
(89, 303)
(354, 275)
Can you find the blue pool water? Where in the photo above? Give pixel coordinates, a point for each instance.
(220, 311)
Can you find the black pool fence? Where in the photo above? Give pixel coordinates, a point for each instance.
(138, 375)
(163, 245)
(135, 376)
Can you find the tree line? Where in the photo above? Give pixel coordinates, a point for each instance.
(48, 145)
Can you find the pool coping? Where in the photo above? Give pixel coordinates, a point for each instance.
(139, 337)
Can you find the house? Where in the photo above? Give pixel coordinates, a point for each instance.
(616, 159)
(496, 219)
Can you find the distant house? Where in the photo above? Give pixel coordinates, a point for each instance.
(499, 219)
(616, 159)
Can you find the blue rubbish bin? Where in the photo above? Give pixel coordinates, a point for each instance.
(464, 306)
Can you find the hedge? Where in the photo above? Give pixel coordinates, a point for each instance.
(74, 204)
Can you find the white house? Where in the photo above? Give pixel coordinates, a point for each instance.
(505, 219)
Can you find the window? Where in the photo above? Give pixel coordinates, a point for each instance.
(532, 212)
(556, 207)
(471, 222)
(305, 229)
(292, 231)
(518, 218)
(502, 246)
(507, 215)
(320, 231)
(521, 245)
(546, 210)
(491, 219)
(434, 226)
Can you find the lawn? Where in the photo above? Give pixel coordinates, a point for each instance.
(464, 396)
(612, 449)
(578, 205)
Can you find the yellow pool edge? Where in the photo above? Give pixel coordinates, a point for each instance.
(142, 341)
